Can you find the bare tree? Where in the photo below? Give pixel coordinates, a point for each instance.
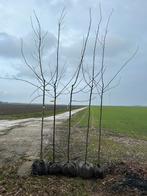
(91, 85)
(37, 71)
(102, 88)
(39, 43)
(73, 87)
(56, 81)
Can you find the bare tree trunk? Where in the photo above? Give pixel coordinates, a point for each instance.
(73, 85)
(88, 126)
(54, 123)
(55, 90)
(91, 86)
(100, 128)
(69, 125)
(42, 121)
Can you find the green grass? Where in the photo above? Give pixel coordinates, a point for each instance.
(130, 121)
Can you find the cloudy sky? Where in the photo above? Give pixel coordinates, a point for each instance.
(127, 30)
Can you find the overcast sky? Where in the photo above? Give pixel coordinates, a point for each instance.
(127, 30)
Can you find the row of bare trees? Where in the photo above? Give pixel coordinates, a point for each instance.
(93, 82)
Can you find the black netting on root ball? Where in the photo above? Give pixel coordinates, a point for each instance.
(70, 169)
(99, 172)
(85, 170)
(39, 167)
(55, 168)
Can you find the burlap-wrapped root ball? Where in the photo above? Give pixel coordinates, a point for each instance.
(39, 167)
(70, 169)
(85, 170)
(55, 168)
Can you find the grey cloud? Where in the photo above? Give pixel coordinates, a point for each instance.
(10, 46)
(127, 26)
(30, 42)
(115, 46)
(61, 3)
(3, 93)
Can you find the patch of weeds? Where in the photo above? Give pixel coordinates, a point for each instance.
(1, 177)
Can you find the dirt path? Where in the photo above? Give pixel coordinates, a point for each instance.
(21, 138)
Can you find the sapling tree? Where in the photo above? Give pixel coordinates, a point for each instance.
(56, 81)
(91, 86)
(40, 76)
(37, 71)
(103, 87)
(43, 81)
(73, 87)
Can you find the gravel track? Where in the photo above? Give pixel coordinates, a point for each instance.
(21, 138)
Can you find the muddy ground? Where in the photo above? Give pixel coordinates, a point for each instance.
(21, 138)
(20, 145)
